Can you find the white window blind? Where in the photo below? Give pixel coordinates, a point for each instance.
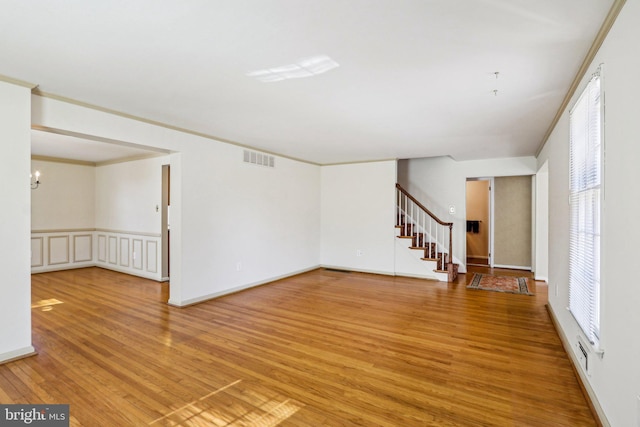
(585, 172)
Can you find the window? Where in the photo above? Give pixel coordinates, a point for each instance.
(585, 193)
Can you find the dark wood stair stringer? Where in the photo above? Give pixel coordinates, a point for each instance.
(408, 230)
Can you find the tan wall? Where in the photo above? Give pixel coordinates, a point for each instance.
(512, 215)
(478, 210)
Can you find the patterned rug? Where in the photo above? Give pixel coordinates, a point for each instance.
(514, 285)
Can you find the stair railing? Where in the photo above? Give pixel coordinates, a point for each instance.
(428, 231)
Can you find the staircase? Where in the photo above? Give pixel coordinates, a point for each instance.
(427, 238)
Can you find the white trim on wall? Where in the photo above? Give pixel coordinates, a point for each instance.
(112, 249)
(102, 248)
(131, 253)
(82, 252)
(124, 251)
(37, 261)
(58, 254)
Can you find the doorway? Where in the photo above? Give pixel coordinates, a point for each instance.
(478, 201)
(166, 220)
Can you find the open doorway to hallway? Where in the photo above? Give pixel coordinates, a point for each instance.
(479, 221)
(500, 222)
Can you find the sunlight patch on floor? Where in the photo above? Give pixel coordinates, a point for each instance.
(220, 408)
(46, 303)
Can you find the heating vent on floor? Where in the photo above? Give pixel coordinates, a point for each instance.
(259, 159)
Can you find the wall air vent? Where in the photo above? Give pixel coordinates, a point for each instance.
(259, 159)
(582, 351)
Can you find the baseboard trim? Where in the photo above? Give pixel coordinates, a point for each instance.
(417, 276)
(358, 270)
(71, 266)
(588, 392)
(12, 356)
(542, 278)
(198, 300)
(106, 266)
(513, 267)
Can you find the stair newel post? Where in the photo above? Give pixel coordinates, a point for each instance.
(406, 215)
(450, 260)
(397, 207)
(424, 228)
(430, 236)
(432, 240)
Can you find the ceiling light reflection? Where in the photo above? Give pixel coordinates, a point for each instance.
(306, 67)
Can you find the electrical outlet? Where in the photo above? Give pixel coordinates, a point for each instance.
(359, 252)
(238, 266)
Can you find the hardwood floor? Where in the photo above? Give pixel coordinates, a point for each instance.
(323, 348)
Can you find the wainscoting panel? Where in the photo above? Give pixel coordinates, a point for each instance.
(37, 254)
(82, 248)
(102, 248)
(53, 250)
(137, 254)
(58, 250)
(113, 250)
(124, 251)
(133, 253)
(152, 256)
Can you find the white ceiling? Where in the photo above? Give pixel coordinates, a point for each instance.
(415, 77)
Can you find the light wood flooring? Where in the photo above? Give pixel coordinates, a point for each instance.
(323, 348)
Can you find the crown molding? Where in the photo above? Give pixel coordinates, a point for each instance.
(62, 160)
(18, 82)
(359, 162)
(38, 92)
(586, 62)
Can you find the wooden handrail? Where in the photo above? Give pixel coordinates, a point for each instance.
(451, 267)
(431, 214)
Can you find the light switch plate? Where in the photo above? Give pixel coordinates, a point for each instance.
(452, 210)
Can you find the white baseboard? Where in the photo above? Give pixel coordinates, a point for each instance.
(51, 268)
(416, 276)
(129, 271)
(214, 295)
(512, 267)
(358, 270)
(542, 278)
(20, 353)
(576, 367)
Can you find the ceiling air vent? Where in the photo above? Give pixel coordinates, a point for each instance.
(259, 159)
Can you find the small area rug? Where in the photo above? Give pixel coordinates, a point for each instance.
(514, 285)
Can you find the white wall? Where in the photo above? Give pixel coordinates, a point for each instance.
(358, 213)
(65, 199)
(541, 223)
(119, 200)
(614, 379)
(15, 286)
(223, 212)
(440, 182)
(127, 194)
(128, 207)
(62, 216)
